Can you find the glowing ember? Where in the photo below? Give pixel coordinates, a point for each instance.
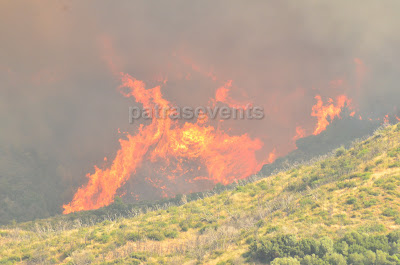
(386, 118)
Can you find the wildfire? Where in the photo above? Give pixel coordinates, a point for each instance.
(386, 118)
(222, 95)
(330, 110)
(225, 157)
(272, 156)
(300, 133)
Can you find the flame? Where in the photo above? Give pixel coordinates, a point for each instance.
(331, 111)
(272, 156)
(222, 95)
(300, 133)
(226, 158)
(386, 118)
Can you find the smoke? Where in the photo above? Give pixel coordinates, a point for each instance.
(58, 61)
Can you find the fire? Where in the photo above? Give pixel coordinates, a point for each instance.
(222, 95)
(397, 118)
(300, 133)
(330, 110)
(226, 158)
(386, 118)
(272, 156)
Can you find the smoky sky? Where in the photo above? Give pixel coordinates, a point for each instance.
(59, 95)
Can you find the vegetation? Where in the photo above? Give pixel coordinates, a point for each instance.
(353, 248)
(30, 185)
(340, 209)
(34, 185)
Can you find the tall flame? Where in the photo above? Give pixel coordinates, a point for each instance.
(330, 110)
(225, 157)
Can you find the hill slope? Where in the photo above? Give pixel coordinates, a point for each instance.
(343, 209)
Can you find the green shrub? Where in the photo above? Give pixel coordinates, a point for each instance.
(390, 212)
(336, 259)
(313, 260)
(340, 151)
(351, 200)
(138, 256)
(285, 261)
(363, 152)
(171, 233)
(368, 168)
(103, 238)
(133, 236)
(155, 235)
(346, 184)
(184, 226)
(353, 248)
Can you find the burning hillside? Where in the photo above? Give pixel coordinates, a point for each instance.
(176, 157)
(172, 147)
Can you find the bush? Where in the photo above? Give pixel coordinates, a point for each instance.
(171, 234)
(155, 235)
(353, 248)
(285, 261)
(133, 236)
(313, 260)
(277, 247)
(390, 212)
(138, 256)
(351, 200)
(340, 151)
(325, 246)
(336, 259)
(370, 203)
(184, 226)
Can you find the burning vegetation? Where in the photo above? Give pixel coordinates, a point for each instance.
(215, 155)
(178, 157)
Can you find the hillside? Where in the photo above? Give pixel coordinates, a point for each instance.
(34, 185)
(341, 132)
(340, 209)
(30, 185)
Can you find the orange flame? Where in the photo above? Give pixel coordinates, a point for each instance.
(386, 118)
(222, 95)
(272, 156)
(225, 157)
(331, 111)
(300, 133)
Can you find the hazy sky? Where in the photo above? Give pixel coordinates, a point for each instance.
(58, 92)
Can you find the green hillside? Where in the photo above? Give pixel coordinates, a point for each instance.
(340, 209)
